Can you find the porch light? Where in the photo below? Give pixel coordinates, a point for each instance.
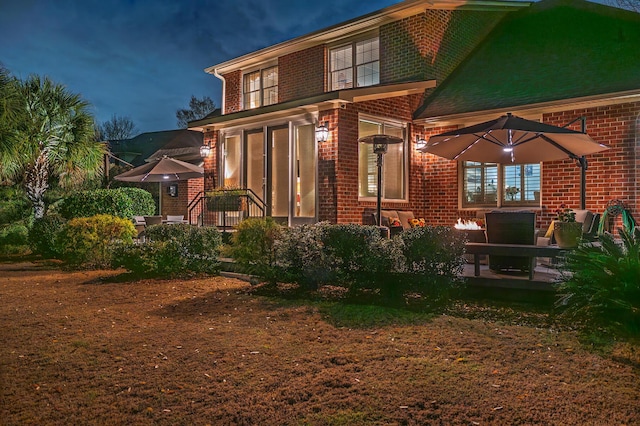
(322, 132)
(421, 143)
(205, 150)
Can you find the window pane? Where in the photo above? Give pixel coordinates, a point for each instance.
(255, 163)
(341, 66)
(369, 74)
(393, 167)
(342, 79)
(280, 172)
(251, 90)
(480, 184)
(231, 165)
(305, 172)
(367, 169)
(393, 173)
(522, 184)
(270, 86)
(368, 62)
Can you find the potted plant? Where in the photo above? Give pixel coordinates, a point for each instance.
(566, 231)
(225, 199)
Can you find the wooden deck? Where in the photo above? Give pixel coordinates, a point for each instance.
(543, 278)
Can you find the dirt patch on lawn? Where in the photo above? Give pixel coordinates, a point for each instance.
(86, 348)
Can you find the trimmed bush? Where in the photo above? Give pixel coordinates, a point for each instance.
(142, 201)
(253, 246)
(120, 202)
(43, 235)
(357, 256)
(172, 250)
(300, 256)
(86, 241)
(432, 260)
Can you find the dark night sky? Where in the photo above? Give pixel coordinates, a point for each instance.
(143, 59)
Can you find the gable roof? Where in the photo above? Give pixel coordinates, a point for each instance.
(550, 51)
(181, 143)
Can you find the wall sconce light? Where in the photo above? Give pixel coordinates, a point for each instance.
(205, 150)
(322, 132)
(421, 143)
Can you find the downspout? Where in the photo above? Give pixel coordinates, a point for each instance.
(224, 89)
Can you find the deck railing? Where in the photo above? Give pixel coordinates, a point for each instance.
(225, 208)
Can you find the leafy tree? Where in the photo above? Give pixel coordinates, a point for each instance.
(51, 137)
(198, 109)
(116, 128)
(10, 110)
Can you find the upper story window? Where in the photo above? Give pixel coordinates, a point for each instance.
(260, 88)
(357, 61)
(394, 165)
(495, 185)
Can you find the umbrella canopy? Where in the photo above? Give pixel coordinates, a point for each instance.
(511, 139)
(165, 169)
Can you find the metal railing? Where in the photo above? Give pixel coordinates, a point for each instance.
(224, 208)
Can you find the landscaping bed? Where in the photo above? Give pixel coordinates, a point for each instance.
(91, 347)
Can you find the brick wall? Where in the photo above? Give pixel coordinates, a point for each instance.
(412, 48)
(211, 162)
(232, 92)
(187, 191)
(301, 74)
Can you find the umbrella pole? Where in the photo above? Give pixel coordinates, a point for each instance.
(379, 205)
(583, 169)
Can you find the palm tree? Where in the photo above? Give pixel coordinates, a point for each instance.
(53, 137)
(10, 108)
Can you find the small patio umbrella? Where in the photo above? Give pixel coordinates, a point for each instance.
(515, 140)
(165, 169)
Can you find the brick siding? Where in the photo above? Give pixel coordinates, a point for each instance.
(295, 80)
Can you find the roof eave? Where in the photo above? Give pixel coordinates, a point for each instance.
(534, 109)
(313, 104)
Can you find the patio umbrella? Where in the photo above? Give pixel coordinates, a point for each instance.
(165, 169)
(515, 140)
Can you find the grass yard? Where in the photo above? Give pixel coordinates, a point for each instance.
(90, 348)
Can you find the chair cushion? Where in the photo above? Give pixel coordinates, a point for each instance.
(405, 217)
(178, 218)
(386, 214)
(585, 217)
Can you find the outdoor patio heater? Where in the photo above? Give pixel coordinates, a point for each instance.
(380, 144)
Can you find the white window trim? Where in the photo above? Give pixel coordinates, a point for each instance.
(351, 41)
(260, 68)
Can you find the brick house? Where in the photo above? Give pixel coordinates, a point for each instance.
(416, 69)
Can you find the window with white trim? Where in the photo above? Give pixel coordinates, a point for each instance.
(496, 185)
(260, 88)
(394, 162)
(358, 61)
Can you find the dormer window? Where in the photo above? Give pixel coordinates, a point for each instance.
(260, 88)
(357, 61)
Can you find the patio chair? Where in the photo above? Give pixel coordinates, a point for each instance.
(153, 220)
(174, 219)
(510, 227)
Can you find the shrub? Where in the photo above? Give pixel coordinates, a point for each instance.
(300, 256)
(14, 239)
(43, 235)
(602, 286)
(357, 255)
(142, 201)
(120, 202)
(432, 258)
(253, 246)
(86, 241)
(172, 250)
